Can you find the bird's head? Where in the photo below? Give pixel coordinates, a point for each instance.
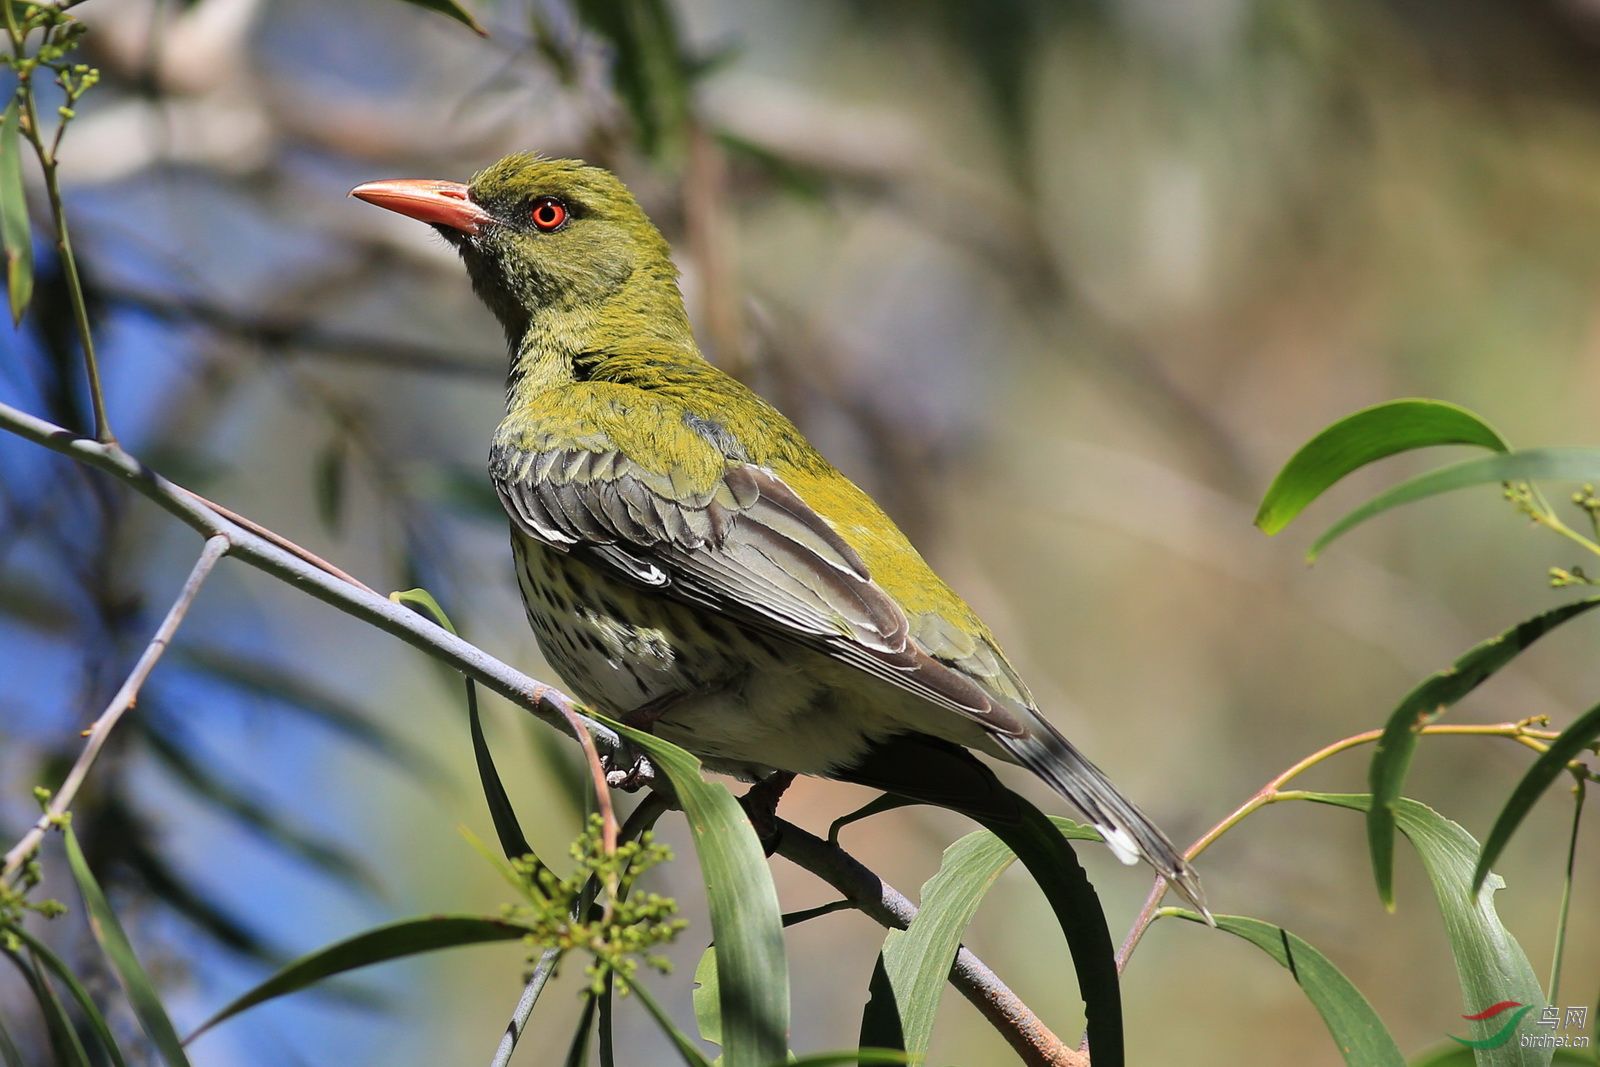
(545, 240)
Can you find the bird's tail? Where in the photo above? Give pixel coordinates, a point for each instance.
(1126, 829)
(946, 774)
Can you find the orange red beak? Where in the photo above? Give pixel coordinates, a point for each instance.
(439, 203)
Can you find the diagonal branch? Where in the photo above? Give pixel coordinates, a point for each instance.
(126, 697)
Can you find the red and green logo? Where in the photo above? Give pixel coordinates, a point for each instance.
(1502, 1035)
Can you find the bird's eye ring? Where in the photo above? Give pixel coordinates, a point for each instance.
(548, 213)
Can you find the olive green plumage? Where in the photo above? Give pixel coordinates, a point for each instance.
(690, 560)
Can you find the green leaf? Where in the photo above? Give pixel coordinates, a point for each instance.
(329, 483)
(451, 9)
(1392, 758)
(97, 1021)
(754, 972)
(1360, 1035)
(707, 991)
(680, 1040)
(1527, 465)
(649, 69)
(578, 1051)
(67, 1050)
(1545, 770)
(707, 997)
(512, 840)
(1454, 1055)
(1050, 861)
(9, 1053)
(605, 1045)
(408, 937)
(1490, 965)
(422, 601)
(15, 236)
(914, 965)
(1366, 437)
(114, 942)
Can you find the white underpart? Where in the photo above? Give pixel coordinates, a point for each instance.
(1121, 844)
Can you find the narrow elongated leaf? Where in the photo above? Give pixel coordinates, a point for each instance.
(97, 1022)
(1392, 758)
(15, 235)
(10, 1055)
(65, 1047)
(605, 1045)
(130, 972)
(451, 9)
(966, 785)
(914, 965)
(393, 941)
(1527, 465)
(753, 971)
(512, 840)
(707, 997)
(1490, 965)
(1572, 741)
(708, 992)
(687, 1049)
(1357, 1030)
(578, 1051)
(1363, 438)
(1054, 867)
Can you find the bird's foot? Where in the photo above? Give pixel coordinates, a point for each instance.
(625, 769)
(760, 805)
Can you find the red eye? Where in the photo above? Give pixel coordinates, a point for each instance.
(548, 213)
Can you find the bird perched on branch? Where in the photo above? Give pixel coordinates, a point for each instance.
(690, 563)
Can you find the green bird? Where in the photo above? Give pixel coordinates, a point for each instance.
(689, 562)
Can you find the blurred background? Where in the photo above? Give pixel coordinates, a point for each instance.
(1062, 284)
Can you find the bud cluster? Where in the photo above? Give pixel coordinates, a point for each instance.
(616, 930)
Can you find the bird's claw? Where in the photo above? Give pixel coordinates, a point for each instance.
(626, 770)
(760, 803)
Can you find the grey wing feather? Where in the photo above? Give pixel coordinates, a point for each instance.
(753, 548)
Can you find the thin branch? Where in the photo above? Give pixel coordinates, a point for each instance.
(602, 788)
(48, 164)
(216, 546)
(1522, 732)
(1027, 1034)
(281, 541)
